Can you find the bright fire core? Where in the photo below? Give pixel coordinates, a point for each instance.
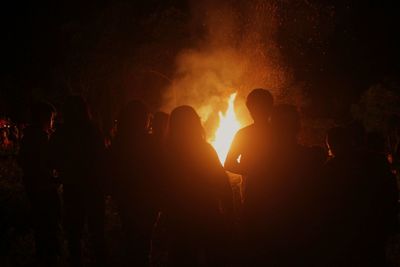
(227, 128)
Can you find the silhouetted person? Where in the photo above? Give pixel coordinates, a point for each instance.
(278, 209)
(135, 185)
(360, 203)
(198, 206)
(251, 142)
(77, 154)
(40, 186)
(252, 138)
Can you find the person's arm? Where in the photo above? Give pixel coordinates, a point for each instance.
(232, 163)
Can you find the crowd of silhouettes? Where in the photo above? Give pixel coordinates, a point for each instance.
(300, 206)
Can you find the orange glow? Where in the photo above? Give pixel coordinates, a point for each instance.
(227, 128)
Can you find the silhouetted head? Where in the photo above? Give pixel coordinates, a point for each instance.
(75, 110)
(285, 123)
(160, 124)
(339, 141)
(42, 115)
(134, 118)
(185, 125)
(259, 103)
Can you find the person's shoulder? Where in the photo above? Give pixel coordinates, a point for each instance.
(210, 151)
(248, 128)
(209, 148)
(246, 131)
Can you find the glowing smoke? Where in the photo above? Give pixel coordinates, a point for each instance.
(237, 52)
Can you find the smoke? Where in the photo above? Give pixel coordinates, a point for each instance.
(237, 50)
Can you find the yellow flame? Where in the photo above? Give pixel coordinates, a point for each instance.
(227, 128)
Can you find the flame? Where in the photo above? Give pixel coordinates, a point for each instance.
(227, 128)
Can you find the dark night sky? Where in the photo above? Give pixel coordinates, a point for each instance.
(360, 51)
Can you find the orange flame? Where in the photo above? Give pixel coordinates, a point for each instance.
(228, 126)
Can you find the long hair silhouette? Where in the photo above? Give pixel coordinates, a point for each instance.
(185, 126)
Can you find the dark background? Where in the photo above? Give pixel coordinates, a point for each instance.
(52, 49)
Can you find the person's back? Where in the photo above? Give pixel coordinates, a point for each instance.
(33, 158)
(40, 186)
(360, 204)
(77, 147)
(278, 210)
(133, 152)
(135, 186)
(77, 150)
(76, 154)
(198, 197)
(133, 160)
(195, 177)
